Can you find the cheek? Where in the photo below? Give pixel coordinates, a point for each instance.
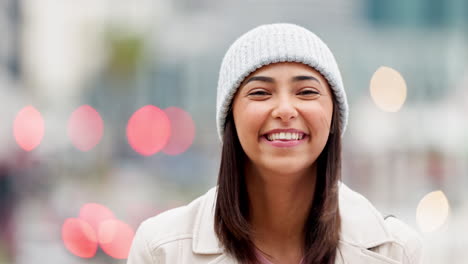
(252, 115)
(319, 118)
(248, 121)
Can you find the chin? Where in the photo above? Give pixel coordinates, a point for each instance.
(287, 167)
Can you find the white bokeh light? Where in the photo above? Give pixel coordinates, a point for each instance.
(388, 89)
(432, 212)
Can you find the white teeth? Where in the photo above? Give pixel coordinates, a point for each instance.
(285, 136)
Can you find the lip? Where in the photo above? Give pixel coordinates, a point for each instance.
(289, 130)
(285, 143)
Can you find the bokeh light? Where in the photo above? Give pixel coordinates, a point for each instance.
(85, 128)
(115, 238)
(182, 131)
(388, 89)
(432, 211)
(148, 130)
(28, 128)
(95, 214)
(79, 238)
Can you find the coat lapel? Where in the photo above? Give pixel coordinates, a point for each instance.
(361, 224)
(205, 240)
(223, 259)
(348, 254)
(362, 227)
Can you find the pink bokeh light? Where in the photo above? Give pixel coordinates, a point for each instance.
(148, 130)
(85, 128)
(115, 238)
(95, 214)
(28, 128)
(79, 238)
(182, 131)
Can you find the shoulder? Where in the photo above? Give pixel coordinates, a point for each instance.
(364, 227)
(406, 239)
(164, 229)
(173, 224)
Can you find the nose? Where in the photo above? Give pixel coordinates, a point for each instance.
(284, 109)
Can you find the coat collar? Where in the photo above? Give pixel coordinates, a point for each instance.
(361, 224)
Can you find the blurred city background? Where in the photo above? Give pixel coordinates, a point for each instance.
(107, 114)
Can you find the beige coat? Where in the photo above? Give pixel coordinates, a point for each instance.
(185, 235)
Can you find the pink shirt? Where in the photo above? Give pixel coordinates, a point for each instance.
(264, 260)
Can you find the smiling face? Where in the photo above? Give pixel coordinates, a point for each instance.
(283, 97)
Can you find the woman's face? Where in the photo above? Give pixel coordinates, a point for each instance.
(286, 97)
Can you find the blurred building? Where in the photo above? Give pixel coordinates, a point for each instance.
(10, 23)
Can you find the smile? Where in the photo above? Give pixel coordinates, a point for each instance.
(285, 141)
(284, 136)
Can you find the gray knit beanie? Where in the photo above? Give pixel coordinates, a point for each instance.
(272, 43)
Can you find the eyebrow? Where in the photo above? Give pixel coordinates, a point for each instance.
(271, 80)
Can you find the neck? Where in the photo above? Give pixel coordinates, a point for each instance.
(279, 206)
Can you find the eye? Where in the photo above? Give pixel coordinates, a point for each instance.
(258, 92)
(309, 92)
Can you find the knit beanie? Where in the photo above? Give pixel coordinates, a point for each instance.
(272, 43)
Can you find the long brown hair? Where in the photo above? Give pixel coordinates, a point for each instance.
(322, 227)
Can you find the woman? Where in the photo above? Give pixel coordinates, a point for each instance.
(281, 112)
